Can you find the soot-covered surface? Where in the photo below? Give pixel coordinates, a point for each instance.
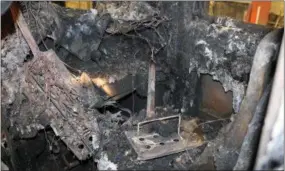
(108, 44)
(182, 39)
(116, 152)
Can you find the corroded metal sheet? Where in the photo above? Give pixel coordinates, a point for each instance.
(153, 145)
(150, 146)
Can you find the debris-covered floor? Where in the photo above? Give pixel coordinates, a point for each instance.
(68, 104)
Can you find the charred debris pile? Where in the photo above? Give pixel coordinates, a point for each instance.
(68, 102)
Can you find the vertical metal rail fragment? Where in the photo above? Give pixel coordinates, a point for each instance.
(19, 19)
(150, 108)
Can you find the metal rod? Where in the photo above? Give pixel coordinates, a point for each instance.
(150, 108)
(19, 19)
(178, 126)
(160, 119)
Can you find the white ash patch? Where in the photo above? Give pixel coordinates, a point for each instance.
(130, 11)
(210, 54)
(94, 11)
(111, 80)
(14, 50)
(95, 142)
(127, 152)
(104, 164)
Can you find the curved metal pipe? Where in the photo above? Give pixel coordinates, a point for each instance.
(251, 141)
(259, 78)
(273, 122)
(248, 148)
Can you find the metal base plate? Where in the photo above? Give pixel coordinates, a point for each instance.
(150, 146)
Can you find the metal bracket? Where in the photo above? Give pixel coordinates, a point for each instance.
(161, 119)
(150, 146)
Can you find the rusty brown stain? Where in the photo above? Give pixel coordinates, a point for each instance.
(215, 99)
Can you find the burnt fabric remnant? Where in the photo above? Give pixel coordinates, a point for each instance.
(99, 80)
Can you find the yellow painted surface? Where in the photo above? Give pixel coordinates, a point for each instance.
(85, 80)
(103, 84)
(243, 1)
(277, 7)
(85, 5)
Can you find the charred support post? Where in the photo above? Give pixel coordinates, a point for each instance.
(259, 78)
(150, 108)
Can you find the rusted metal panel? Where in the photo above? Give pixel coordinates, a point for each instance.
(150, 108)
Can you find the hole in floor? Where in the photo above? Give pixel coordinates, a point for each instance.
(147, 146)
(176, 140)
(80, 146)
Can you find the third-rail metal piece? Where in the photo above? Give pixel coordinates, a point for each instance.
(152, 145)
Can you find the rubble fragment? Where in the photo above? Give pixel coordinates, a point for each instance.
(50, 94)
